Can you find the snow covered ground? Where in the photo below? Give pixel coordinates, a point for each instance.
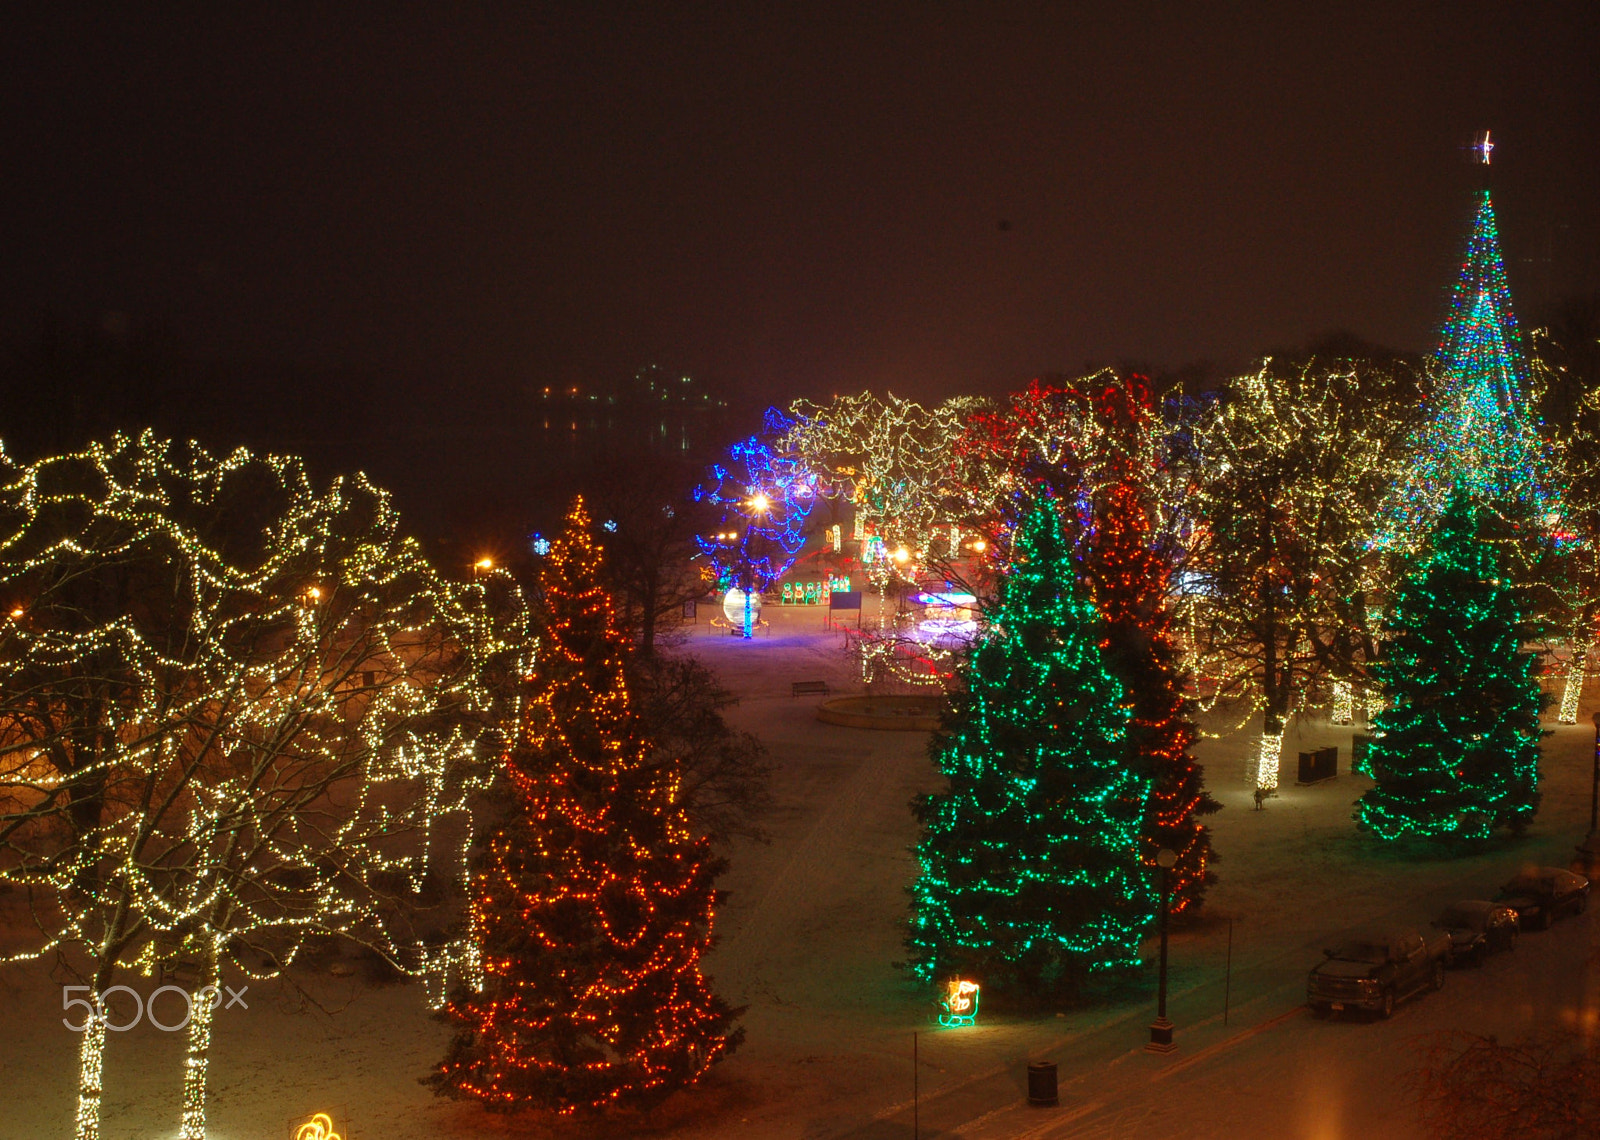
(807, 942)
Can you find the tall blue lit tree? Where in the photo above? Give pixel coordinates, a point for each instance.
(765, 497)
(1029, 858)
(1456, 753)
(1479, 435)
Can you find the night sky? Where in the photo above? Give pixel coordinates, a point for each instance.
(781, 199)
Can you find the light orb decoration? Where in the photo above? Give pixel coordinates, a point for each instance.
(733, 607)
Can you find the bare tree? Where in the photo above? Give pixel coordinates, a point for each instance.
(1470, 1087)
(237, 712)
(724, 773)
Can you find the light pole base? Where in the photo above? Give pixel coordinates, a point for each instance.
(1586, 859)
(1160, 1037)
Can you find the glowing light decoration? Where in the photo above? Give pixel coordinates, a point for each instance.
(1029, 869)
(1343, 709)
(766, 498)
(892, 458)
(592, 902)
(1456, 754)
(250, 650)
(319, 1127)
(1129, 570)
(958, 1006)
(838, 538)
(1479, 434)
(742, 610)
(1573, 689)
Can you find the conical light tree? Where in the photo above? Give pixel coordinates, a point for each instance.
(592, 903)
(1478, 435)
(1457, 750)
(1029, 868)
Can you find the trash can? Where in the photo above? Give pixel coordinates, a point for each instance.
(1042, 1083)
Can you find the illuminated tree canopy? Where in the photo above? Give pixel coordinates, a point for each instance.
(237, 711)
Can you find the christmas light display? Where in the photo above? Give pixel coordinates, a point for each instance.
(319, 1127)
(958, 1006)
(766, 497)
(236, 712)
(592, 904)
(1456, 753)
(1280, 564)
(1029, 868)
(892, 459)
(1129, 572)
(1478, 434)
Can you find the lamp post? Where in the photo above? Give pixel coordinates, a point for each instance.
(1587, 859)
(1161, 1029)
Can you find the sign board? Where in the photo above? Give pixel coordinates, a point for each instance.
(844, 600)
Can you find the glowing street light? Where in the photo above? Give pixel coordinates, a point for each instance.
(483, 564)
(901, 554)
(760, 503)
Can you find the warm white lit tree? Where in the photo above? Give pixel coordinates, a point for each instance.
(237, 712)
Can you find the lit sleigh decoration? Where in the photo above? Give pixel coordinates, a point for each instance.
(959, 1005)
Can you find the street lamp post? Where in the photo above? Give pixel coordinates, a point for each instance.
(1161, 1029)
(1587, 859)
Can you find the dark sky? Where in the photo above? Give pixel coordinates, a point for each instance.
(783, 198)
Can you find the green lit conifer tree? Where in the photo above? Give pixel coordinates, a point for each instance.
(1457, 753)
(1029, 858)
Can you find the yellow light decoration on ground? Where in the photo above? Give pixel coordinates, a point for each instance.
(319, 1127)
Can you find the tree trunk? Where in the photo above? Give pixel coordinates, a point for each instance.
(1574, 686)
(90, 1051)
(192, 1124)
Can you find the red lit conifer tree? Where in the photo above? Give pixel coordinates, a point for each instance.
(1130, 579)
(592, 903)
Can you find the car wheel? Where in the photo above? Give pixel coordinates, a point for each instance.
(1320, 1011)
(1387, 1010)
(1511, 939)
(1545, 918)
(1480, 953)
(1583, 904)
(1437, 981)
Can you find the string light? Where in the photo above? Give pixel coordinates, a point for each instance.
(592, 904)
(214, 650)
(1456, 753)
(1029, 871)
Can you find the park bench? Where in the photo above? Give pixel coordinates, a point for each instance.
(809, 688)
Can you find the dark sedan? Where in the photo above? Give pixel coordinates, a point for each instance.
(1477, 929)
(1540, 895)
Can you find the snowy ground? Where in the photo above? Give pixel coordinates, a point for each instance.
(808, 938)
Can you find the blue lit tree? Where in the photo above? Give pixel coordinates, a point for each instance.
(1029, 859)
(1479, 436)
(765, 498)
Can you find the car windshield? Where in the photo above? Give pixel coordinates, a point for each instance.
(1460, 918)
(1362, 952)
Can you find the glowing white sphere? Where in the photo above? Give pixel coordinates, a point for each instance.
(733, 607)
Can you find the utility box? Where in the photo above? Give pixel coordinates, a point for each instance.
(1315, 767)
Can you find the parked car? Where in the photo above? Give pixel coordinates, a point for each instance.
(1477, 929)
(1540, 895)
(1375, 971)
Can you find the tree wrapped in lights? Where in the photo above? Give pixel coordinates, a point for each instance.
(1029, 866)
(1478, 434)
(893, 459)
(1456, 753)
(236, 712)
(1129, 571)
(592, 903)
(1281, 571)
(764, 494)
